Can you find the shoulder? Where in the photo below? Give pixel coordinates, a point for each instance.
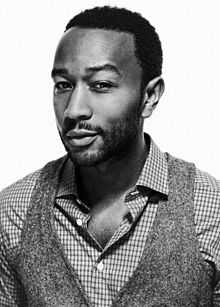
(204, 180)
(207, 215)
(15, 199)
(206, 196)
(18, 194)
(207, 191)
(14, 202)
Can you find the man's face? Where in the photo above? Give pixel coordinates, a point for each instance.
(97, 94)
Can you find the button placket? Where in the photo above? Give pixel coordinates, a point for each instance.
(99, 285)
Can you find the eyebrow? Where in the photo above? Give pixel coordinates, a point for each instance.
(58, 71)
(108, 67)
(92, 69)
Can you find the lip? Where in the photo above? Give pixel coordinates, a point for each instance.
(77, 134)
(81, 138)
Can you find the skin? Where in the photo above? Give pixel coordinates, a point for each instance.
(97, 88)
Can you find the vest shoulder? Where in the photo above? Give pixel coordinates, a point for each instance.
(178, 162)
(202, 179)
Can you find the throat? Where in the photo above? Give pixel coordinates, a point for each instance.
(106, 219)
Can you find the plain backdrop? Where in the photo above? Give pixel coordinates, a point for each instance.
(185, 123)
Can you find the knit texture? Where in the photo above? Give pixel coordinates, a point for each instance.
(48, 278)
(171, 271)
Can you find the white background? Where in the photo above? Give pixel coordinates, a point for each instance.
(186, 122)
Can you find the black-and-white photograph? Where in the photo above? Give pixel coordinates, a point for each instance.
(110, 156)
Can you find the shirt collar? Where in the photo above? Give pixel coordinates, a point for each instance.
(67, 184)
(154, 174)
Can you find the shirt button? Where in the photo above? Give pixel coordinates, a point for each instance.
(100, 266)
(79, 222)
(134, 193)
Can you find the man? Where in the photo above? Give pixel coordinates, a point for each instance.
(116, 222)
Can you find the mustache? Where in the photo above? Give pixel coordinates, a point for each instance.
(71, 125)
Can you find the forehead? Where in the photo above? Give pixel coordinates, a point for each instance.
(90, 47)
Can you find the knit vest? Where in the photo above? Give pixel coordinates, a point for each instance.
(171, 271)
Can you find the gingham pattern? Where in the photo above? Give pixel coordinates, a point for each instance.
(103, 272)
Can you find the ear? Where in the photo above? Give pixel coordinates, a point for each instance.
(152, 93)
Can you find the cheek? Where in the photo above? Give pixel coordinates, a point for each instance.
(59, 109)
(119, 106)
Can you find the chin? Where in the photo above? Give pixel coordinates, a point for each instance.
(87, 158)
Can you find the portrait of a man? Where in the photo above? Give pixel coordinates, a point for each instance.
(116, 221)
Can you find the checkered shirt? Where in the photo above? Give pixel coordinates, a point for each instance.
(103, 271)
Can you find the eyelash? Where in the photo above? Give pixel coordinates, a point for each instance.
(61, 86)
(101, 86)
(96, 86)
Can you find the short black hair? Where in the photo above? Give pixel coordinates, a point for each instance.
(147, 43)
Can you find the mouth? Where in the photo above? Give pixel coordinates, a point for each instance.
(80, 138)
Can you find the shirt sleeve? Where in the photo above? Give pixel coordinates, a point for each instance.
(11, 293)
(207, 220)
(14, 202)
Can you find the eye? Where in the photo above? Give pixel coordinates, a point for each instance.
(101, 86)
(62, 86)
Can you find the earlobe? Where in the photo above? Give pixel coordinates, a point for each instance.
(152, 94)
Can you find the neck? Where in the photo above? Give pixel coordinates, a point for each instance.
(114, 177)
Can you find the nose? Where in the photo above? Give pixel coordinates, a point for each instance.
(78, 105)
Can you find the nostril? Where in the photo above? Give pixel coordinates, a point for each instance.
(68, 124)
(77, 114)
